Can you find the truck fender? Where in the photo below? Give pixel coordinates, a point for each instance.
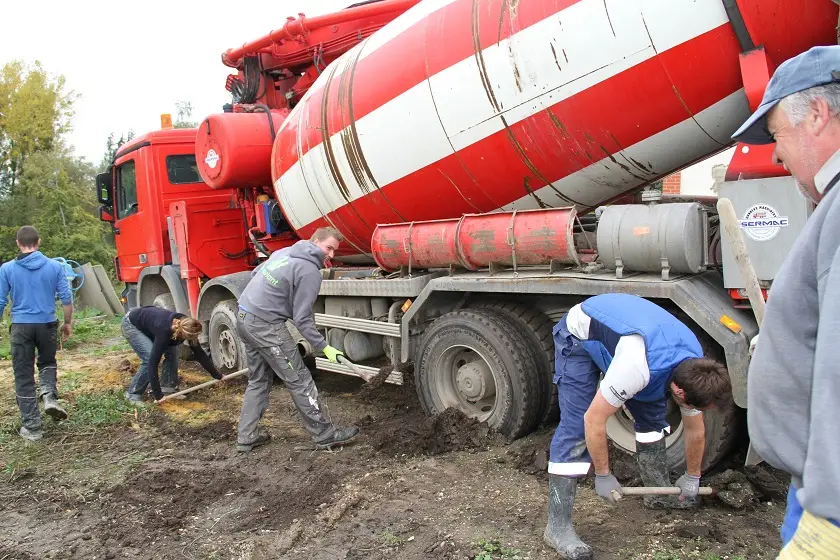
(219, 289)
(154, 280)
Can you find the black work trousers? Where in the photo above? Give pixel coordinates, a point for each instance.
(25, 339)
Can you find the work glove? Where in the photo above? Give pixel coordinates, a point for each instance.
(689, 486)
(753, 343)
(332, 354)
(608, 488)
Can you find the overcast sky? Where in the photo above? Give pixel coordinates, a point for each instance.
(131, 61)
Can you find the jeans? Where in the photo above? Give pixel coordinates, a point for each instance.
(142, 345)
(25, 338)
(577, 376)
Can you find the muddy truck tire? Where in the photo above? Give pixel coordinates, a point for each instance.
(479, 362)
(226, 349)
(537, 327)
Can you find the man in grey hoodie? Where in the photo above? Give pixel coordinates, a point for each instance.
(283, 288)
(794, 381)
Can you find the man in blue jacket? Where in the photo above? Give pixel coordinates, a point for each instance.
(648, 356)
(33, 281)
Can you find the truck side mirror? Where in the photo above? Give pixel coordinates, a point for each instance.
(103, 188)
(106, 214)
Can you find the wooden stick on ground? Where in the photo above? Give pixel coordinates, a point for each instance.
(729, 221)
(233, 375)
(661, 491)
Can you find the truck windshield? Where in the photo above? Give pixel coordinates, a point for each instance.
(182, 170)
(126, 190)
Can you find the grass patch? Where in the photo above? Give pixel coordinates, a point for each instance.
(100, 409)
(493, 550)
(90, 326)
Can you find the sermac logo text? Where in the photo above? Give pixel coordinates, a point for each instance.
(762, 222)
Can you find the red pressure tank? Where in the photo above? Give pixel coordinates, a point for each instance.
(234, 149)
(474, 241)
(460, 106)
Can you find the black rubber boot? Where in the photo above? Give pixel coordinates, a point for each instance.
(653, 466)
(559, 532)
(52, 408)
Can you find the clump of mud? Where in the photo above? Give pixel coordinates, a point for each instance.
(408, 431)
(368, 392)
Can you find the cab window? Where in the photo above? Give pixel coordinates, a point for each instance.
(182, 170)
(126, 190)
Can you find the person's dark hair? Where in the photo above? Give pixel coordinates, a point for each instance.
(705, 382)
(28, 236)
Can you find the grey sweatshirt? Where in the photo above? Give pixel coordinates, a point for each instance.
(286, 287)
(794, 378)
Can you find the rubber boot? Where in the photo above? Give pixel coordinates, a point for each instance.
(559, 532)
(52, 408)
(653, 466)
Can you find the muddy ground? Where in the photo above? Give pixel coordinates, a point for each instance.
(166, 482)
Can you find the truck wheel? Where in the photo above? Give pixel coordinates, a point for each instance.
(722, 429)
(723, 426)
(478, 362)
(538, 328)
(166, 301)
(226, 350)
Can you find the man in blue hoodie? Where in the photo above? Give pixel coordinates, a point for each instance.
(33, 281)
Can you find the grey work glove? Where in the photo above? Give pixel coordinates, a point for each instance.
(608, 488)
(689, 486)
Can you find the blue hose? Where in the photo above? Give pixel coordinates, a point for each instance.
(69, 273)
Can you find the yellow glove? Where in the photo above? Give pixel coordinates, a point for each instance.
(332, 354)
(815, 537)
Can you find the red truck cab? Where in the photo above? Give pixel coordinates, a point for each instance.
(152, 188)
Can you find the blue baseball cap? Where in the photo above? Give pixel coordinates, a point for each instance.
(815, 67)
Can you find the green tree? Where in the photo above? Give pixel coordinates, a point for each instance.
(35, 111)
(55, 194)
(41, 182)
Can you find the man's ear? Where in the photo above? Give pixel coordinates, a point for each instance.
(677, 392)
(819, 116)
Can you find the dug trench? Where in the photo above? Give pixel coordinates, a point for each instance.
(166, 482)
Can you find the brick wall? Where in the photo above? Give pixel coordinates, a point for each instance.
(671, 184)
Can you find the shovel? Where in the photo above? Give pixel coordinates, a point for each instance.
(356, 370)
(233, 375)
(658, 491)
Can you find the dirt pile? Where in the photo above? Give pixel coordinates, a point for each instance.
(163, 500)
(408, 431)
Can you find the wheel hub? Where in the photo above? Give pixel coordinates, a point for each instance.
(227, 345)
(475, 381)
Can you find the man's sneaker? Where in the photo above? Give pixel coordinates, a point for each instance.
(52, 408)
(31, 435)
(261, 438)
(134, 398)
(168, 390)
(339, 437)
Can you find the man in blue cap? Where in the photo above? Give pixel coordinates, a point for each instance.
(794, 380)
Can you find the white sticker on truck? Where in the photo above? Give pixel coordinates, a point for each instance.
(212, 159)
(762, 222)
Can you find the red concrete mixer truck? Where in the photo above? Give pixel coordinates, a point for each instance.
(483, 160)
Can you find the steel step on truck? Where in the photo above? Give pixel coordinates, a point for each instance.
(486, 162)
